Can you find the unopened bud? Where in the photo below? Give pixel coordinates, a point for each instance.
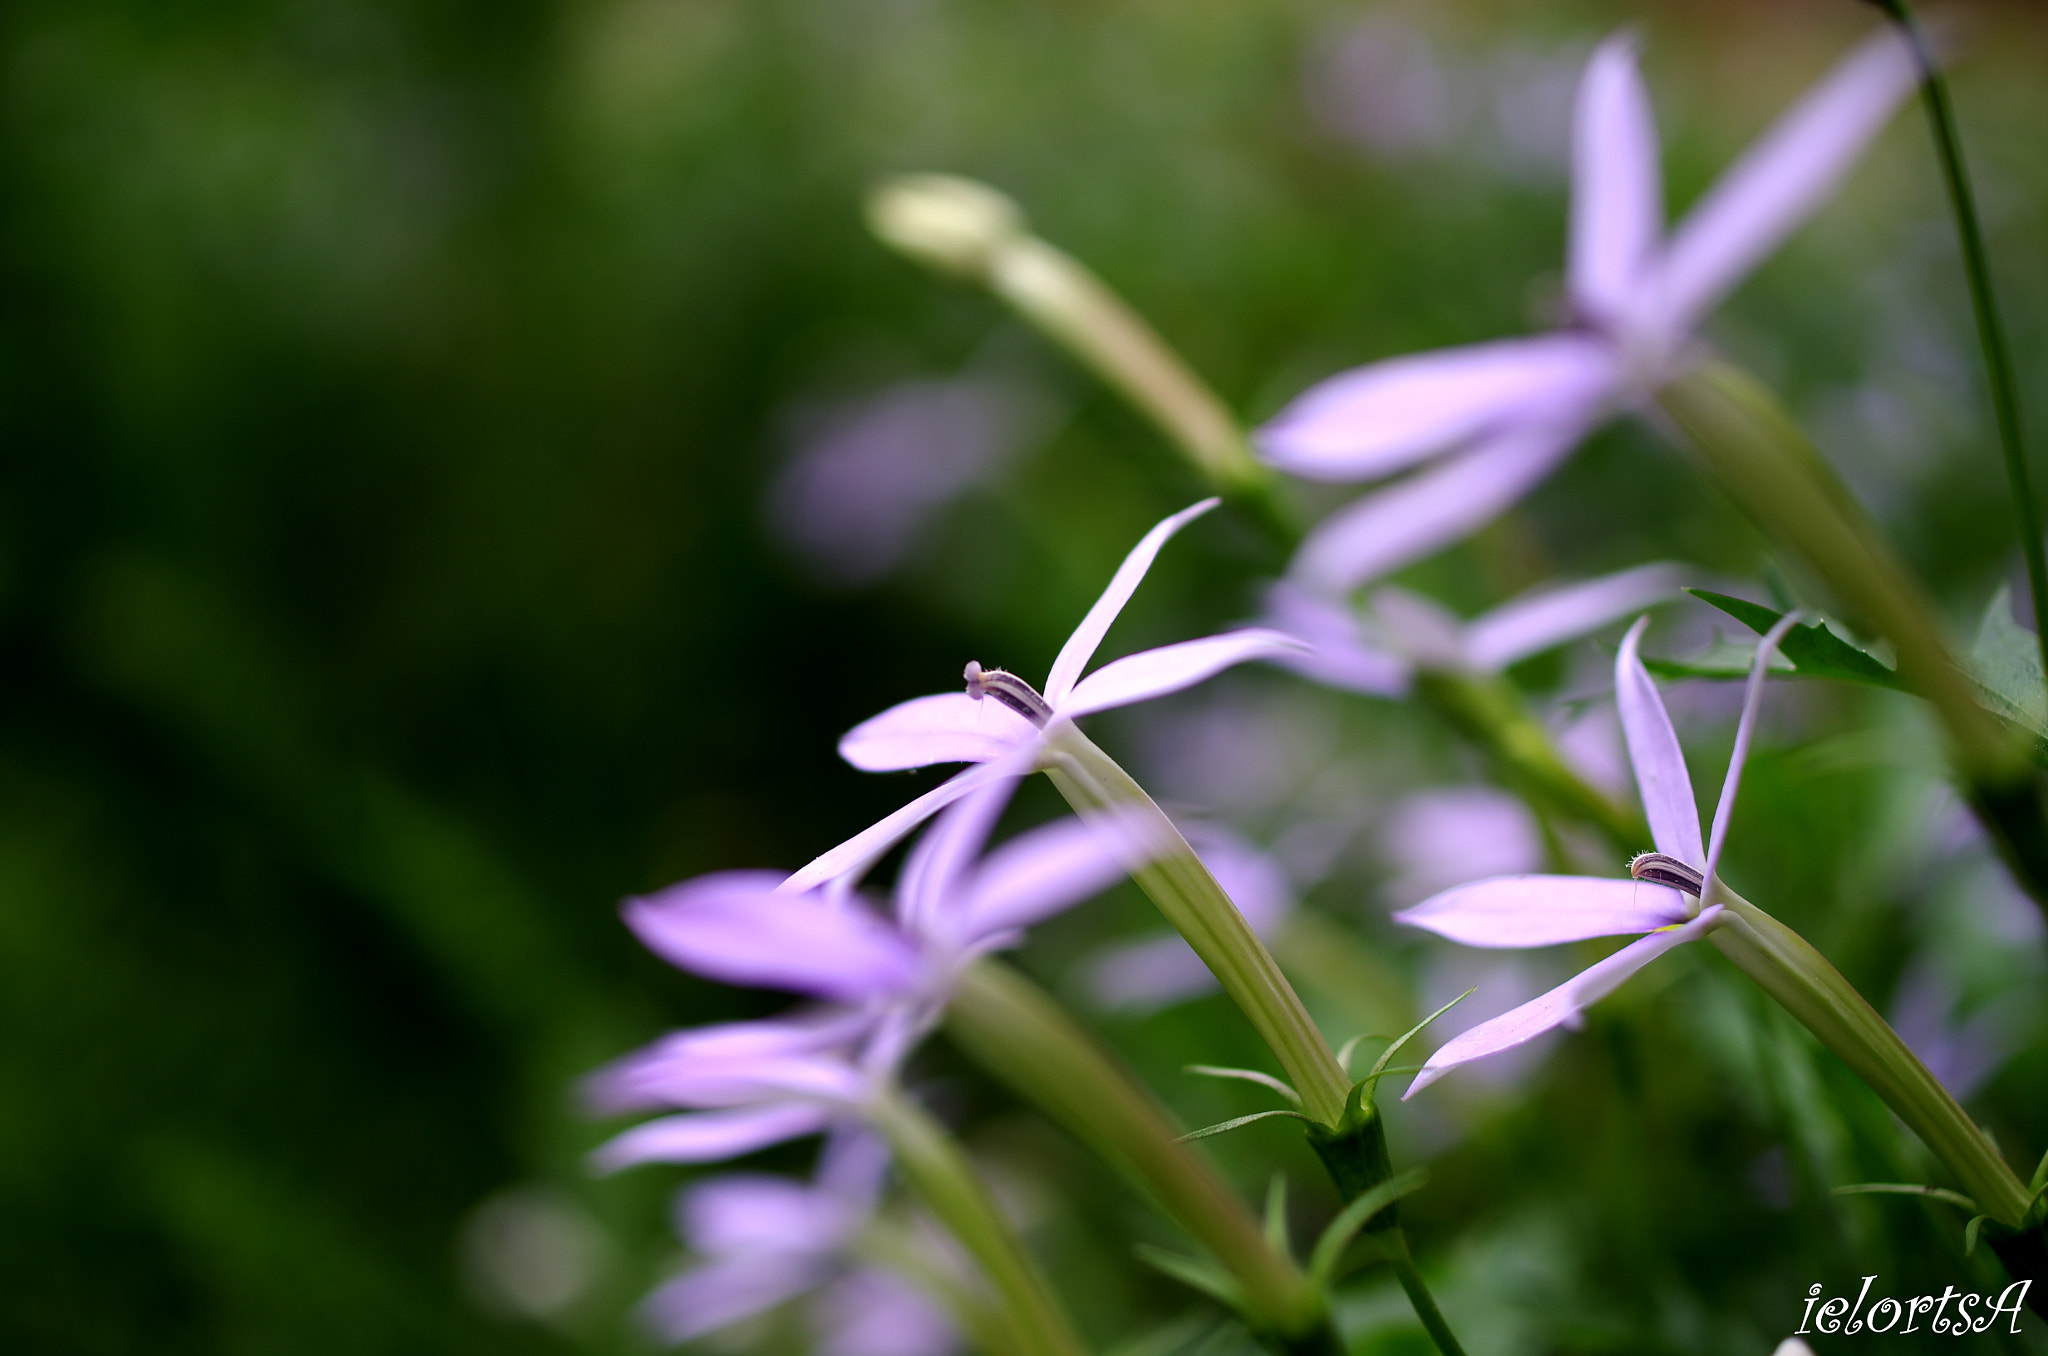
(948, 223)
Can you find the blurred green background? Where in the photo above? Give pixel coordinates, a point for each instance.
(400, 562)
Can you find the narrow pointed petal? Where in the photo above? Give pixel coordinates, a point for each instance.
(1388, 528)
(655, 1075)
(1546, 910)
(760, 1212)
(1143, 975)
(717, 1294)
(1559, 1006)
(1783, 178)
(1661, 777)
(1617, 192)
(949, 727)
(737, 927)
(1547, 617)
(937, 876)
(1387, 416)
(1080, 647)
(1154, 673)
(1040, 872)
(1341, 656)
(853, 858)
(709, 1136)
(1420, 628)
(1752, 698)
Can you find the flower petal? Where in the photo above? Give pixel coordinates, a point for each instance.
(852, 858)
(936, 876)
(1040, 872)
(1154, 972)
(1342, 657)
(1154, 673)
(655, 1075)
(760, 1212)
(1546, 910)
(1661, 775)
(1388, 528)
(1080, 647)
(708, 1136)
(1783, 178)
(949, 727)
(717, 1294)
(1385, 417)
(1537, 620)
(870, 1312)
(1559, 1006)
(1617, 192)
(739, 928)
(1752, 697)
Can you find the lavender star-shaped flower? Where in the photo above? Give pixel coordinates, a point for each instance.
(1000, 723)
(1663, 898)
(884, 982)
(1495, 418)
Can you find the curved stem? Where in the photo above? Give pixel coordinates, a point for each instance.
(936, 1168)
(1791, 971)
(2005, 400)
(1017, 1031)
(1395, 1241)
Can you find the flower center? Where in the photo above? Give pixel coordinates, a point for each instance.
(1010, 690)
(1659, 869)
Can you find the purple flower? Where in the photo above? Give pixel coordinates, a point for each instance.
(1379, 654)
(1516, 911)
(1001, 724)
(1495, 418)
(764, 1240)
(885, 982)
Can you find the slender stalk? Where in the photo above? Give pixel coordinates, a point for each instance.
(2005, 400)
(1017, 1031)
(1202, 912)
(1419, 1298)
(1791, 971)
(945, 1181)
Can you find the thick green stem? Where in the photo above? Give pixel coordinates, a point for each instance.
(1202, 912)
(1015, 1030)
(2005, 400)
(936, 1169)
(1487, 710)
(1791, 971)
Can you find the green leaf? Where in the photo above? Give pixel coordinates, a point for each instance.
(1196, 1273)
(1222, 1126)
(1815, 651)
(1955, 1198)
(1353, 1217)
(1248, 1075)
(1970, 1232)
(1276, 1216)
(1346, 1050)
(1380, 1065)
(2006, 664)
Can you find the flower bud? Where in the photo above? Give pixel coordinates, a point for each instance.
(951, 224)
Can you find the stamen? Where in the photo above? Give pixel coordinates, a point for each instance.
(1660, 869)
(1010, 690)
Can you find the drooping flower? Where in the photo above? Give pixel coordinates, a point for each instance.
(1661, 899)
(1000, 723)
(884, 982)
(1380, 652)
(764, 1240)
(1493, 419)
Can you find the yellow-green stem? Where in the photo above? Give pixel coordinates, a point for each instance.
(1791, 971)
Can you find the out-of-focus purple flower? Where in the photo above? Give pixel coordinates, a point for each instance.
(868, 476)
(1435, 839)
(1159, 971)
(1516, 911)
(762, 1241)
(1963, 1052)
(1379, 653)
(746, 1085)
(988, 725)
(1495, 418)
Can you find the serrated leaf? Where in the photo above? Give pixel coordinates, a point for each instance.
(1195, 1273)
(2006, 664)
(1815, 651)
